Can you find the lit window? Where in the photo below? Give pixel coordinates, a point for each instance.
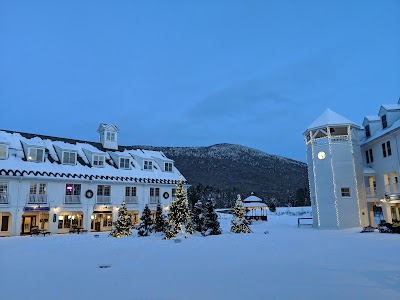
(72, 189)
(98, 160)
(345, 192)
(384, 121)
(168, 167)
(148, 165)
(124, 163)
(36, 154)
(69, 158)
(3, 151)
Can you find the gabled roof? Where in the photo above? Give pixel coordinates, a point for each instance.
(331, 118)
(103, 127)
(370, 119)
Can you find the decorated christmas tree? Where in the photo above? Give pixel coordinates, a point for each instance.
(211, 223)
(146, 223)
(239, 222)
(179, 220)
(198, 217)
(122, 227)
(160, 222)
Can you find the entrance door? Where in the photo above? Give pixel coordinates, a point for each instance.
(27, 223)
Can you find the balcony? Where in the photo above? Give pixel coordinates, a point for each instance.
(131, 199)
(392, 188)
(103, 199)
(154, 199)
(370, 192)
(37, 198)
(72, 199)
(4, 198)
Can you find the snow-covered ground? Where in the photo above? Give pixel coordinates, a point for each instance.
(286, 263)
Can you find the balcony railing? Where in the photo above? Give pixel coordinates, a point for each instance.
(131, 199)
(3, 198)
(392, 188)
(103, 199)
(154, 199)
(37, 198)
(70, 199)
(370, 192)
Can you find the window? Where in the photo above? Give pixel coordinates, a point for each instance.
(345, 192)
(154, 195)
(4, 223)
(148, 165)
(37, 192)
(130, 191)
(384, 149)
(389, 149)
(124, 163)
(173, 193)
(36, 154)
(3, 192)
(98, 160)
(103, 190)
(168, 167)
(384, 121)
(72, 189)
(110, 136)
(367, 131)
(371, 157)
(69, 158)
(367, 156)
(3, 151)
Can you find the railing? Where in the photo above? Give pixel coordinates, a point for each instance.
(72, 199)
(37, 198)
(392, 188)
(154, 199)
(3, 198)
(103, 199)
(370, 192)
(131, 199)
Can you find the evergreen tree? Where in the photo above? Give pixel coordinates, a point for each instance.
(160, 222)
(239, 222)
(272, 207)
(146, 223)
(123, 225)
(179, 220)
(198, 217)
(211, 223)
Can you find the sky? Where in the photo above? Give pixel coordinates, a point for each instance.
(195, 73)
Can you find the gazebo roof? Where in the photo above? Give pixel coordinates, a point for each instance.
(254, 201)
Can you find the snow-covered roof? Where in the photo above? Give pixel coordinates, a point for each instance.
(252, 198)
(17, 165)
(381, 132)
(330, 118)
(391, 106)
(255, 204)
(368, 170)
(253, 201)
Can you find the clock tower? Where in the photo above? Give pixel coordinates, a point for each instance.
(335, 173)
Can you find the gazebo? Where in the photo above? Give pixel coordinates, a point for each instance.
(256, 208)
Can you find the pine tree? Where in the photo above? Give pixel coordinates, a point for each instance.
(198, 217)
(211, 223)
(239, 222)
(123, 225)
(179, 219)
(146, 223)
(160, 222)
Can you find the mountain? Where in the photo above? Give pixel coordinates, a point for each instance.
(239, 169)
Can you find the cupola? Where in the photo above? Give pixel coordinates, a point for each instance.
(108, 136)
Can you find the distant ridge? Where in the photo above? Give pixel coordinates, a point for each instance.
(225, 166)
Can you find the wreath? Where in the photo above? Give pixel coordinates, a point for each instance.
(166, 195)
(89, 194)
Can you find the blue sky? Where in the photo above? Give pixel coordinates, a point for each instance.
(195, 73)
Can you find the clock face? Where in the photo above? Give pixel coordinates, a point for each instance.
(321, 155)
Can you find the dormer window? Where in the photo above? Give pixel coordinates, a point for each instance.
(168, 167)
(124, 163)
(69, 158)
(148, 165)
(110, 136)
(367, 131)
(3, 151)
(36, 154)
(384, 121)
(98, 160)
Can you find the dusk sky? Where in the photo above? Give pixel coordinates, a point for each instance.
(195, 73)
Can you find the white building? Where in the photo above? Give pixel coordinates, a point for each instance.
(256, 208)
(57, 183)
(354, 169)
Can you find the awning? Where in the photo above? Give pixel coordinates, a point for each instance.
(368, 171)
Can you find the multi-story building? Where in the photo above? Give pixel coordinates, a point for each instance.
(354, 170)
(58, 183)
